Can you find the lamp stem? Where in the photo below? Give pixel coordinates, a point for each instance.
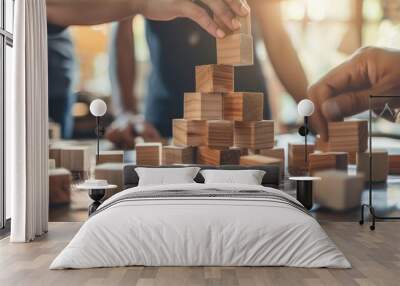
(305, 139)
(98, 137)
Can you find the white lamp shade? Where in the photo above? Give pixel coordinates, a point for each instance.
(305, 107)
(98, 108)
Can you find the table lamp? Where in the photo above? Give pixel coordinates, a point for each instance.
(98, 108)
(305, 108)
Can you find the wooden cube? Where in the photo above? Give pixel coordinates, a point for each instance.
(203, 106)
(254, 134)
(337, 190)
(394, 164)
(243, 106)
(245, 25)
(236, 50)
(110, 157)
(380, 165)
(219, 134)
(328, 161)
(297, 164)
(59, 186)
(278, 153)
(188, 132)
(215, 157)
(113, 173)
(214, 78)
(178, 155)
(75, 158)
(148, 154)
(260, 160)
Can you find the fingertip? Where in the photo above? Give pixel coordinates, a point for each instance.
(220, 34)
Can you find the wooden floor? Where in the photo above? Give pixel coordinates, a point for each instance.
(375, 257)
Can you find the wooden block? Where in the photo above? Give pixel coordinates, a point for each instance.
(214, 78)
(178, 155)
(113, 173)
(297, 165)
(254, 134)
(55, 154)
(352, 156)
(110, 157)
(203, 106)
(54, 131)
(59, 186)
(215, 157)
(245, 25)
(394, 164)
(337, 190)
(380, 165)
(188, 132)
(148, 154)
(243, 106)
(75, 158)
(278, 153)
(327, 161)
(219, 134)
(260, 160)
(236, 50)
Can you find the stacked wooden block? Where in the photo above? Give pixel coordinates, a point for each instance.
(380, 165)
(297, 163)
(394, 164)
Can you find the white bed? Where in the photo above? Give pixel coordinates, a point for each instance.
(209, 230)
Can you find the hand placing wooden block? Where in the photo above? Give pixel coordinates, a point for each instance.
(188, 132)
(54, 131)
(380, 165)
(243, 106)
(219, 134)
(236, 50)
(110, 157)
(75, 158)
(203, 106)
(337, 190)
(59, 186)
(178, 155)
(254, 134)
(208, 156)
(328, 161)
(245, 25)
(394, 164)
(148, 154)
(278, 153)
(214, 78)
(297, 164)
(113, 173)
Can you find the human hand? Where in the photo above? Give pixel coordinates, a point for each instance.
(225, 11)
(345, 90)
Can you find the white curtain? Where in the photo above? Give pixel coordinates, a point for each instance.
(27, 124)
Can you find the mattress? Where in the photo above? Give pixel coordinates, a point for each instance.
(201, 225)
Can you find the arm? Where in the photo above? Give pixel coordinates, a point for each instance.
(91, 12)
(280, 49)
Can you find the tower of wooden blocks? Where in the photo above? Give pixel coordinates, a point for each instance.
(219, 124)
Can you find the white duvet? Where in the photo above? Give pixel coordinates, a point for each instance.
(200, 232)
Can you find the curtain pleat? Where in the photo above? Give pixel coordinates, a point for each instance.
(28, 132)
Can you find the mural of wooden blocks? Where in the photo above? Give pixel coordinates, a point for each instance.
(113, 173)
(394, 164)
(59, 186)
(214, 78)
(337, 190)
(178, 155)
(203, 106)
(327, 161)
(215, 157)
(110, 157)
(75, 158)
(278, 153)
(297, 165)
(254, 134)
(236, 50)
(243, 106)
(380, 165)
(55, 154)
(148, 154)
(260, 160)
(188, 132)
(219, 134)
(245, 26)
(54, 131)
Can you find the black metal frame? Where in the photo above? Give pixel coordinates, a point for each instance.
(370, 203)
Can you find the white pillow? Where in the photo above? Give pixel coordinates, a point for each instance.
(247, 177)
(166, 176)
